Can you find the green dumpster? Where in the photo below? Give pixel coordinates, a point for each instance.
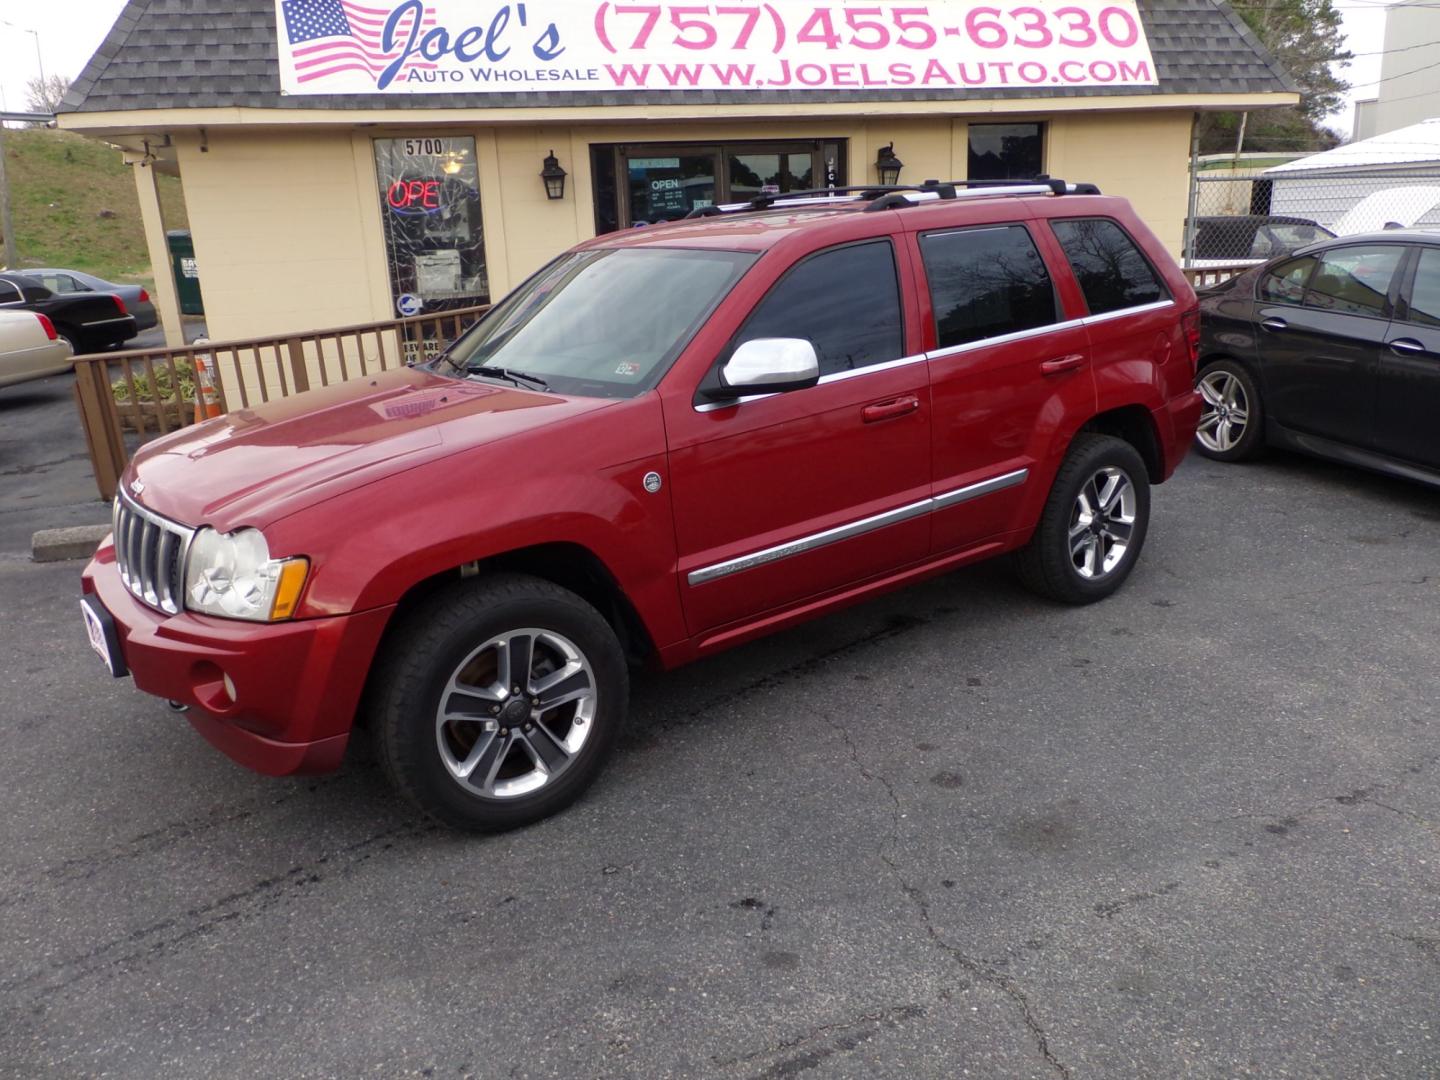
(182, 265)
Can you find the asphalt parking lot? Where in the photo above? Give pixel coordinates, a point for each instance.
(1193, 831)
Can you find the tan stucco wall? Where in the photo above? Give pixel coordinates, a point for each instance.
(1142, 156)
(287, 223)
(286, 237)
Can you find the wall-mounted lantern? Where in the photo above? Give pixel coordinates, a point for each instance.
(888, 166)
(554, 177)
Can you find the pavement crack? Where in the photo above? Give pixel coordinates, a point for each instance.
(875, 1021)
(977, 969)
(1110, 908)
(134, 948)
(1423, 579)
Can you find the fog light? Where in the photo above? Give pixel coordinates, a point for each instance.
(230, 688)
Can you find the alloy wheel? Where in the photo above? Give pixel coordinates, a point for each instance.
(1225, 413)
(515, 713)
(1102, 521)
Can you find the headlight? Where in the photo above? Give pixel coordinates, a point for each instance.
(232, 575)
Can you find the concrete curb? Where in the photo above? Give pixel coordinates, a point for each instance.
(76, 542)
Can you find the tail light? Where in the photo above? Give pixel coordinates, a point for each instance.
(1190, 323)
(48, 325)
(119, 304)
(144, 297)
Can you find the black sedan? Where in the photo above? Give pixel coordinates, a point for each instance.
(1333, 350)
(136, 297)
(89, 321)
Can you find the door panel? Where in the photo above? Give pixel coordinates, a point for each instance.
(783, 469)
(782, 497)
(1004, 372)
(1321, 359)
(1407, 421)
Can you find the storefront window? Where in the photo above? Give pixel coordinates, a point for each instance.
(1006, 151)
(434, 239)
(644, 185)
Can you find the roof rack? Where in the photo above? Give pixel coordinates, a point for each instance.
(895, 196)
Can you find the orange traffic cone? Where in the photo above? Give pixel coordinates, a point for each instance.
(207, 395)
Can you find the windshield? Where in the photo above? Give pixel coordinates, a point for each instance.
(606, 322)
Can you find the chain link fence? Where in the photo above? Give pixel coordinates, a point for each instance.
(1253, 213)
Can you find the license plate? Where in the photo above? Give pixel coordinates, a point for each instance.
(102, 637)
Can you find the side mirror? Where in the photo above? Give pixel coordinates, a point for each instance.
(769, 366)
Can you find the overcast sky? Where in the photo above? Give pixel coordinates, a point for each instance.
(69, 31)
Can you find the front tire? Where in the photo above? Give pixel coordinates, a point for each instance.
(1232, 418)
(1093, 525)
(496, 702)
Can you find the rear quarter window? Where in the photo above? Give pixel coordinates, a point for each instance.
(1113, 272)
(1286, 283)
(986, 282)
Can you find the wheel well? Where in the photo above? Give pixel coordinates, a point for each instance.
(571, 567)
(1134, 424)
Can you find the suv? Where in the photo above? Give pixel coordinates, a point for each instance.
(666, 442)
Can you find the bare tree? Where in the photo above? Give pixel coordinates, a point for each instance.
(44, 94)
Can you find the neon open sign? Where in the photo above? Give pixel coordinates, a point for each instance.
(414, 196)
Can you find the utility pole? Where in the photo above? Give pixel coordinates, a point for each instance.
(12, 258)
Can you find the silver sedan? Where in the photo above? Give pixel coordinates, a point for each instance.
(30, 348)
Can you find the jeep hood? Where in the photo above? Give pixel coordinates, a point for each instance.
(254, 466)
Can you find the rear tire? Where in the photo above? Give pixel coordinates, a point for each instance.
(1093, 525)
(496, 702)
(1232, 419)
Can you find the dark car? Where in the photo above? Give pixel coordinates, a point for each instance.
(89, 321)
(1242, 237)
(136, 297)
(1334, 351)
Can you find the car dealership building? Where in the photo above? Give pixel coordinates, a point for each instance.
(343, 163)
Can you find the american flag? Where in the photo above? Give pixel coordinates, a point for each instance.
(331, 36)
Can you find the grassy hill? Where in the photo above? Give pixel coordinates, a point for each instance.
(59, 185)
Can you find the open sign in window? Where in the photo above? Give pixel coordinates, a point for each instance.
(430, 206)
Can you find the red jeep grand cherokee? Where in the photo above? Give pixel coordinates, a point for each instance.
(666, 442)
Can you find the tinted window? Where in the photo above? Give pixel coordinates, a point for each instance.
(1353, 280)
(1005, 151)
(9, 294)
(1112, 272)
(1425, 295)
(846, 302)
(1286, 283)
(986, 282)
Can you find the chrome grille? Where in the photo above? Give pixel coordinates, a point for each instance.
(150, 554)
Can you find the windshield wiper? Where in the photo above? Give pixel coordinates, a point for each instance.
(519, 378)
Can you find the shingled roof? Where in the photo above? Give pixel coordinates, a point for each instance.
(191, 54)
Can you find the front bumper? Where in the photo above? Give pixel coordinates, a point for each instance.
(297, 684)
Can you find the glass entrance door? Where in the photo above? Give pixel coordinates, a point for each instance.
(666, 186)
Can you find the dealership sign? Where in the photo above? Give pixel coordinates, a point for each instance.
(464, 46)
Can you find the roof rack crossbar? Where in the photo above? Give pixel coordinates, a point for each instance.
(894, 196)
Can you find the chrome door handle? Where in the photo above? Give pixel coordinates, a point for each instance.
(1274, 323)
(1062, 364)
(1406, 346)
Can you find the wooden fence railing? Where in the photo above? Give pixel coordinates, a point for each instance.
(128, 397)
